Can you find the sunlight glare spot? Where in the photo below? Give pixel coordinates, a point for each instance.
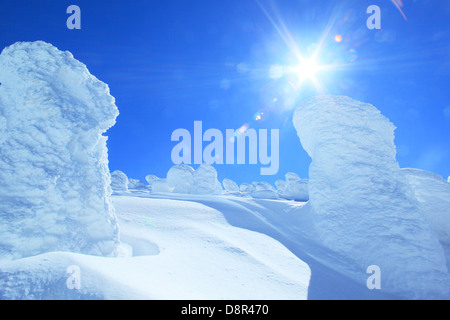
(307, 69)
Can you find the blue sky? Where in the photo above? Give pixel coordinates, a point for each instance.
(169, 63)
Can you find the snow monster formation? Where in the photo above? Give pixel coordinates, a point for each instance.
(119, 181)
(54, 176)
(364, 207)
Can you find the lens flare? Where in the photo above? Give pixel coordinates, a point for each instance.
(352, 55)
(399, 4)
(241, 130)
(338, 38)
(257, 116)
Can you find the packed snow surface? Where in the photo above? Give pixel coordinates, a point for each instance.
(173, 248)
(54, 175)
(365, 209)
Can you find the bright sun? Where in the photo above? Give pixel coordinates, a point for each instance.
(307, 69)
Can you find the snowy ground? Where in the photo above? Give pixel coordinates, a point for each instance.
(179, 246)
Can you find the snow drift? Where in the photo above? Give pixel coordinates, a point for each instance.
(181, 249)
(364, 209)
(53, 158)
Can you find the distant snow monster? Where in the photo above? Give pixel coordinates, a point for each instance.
(119, 181)
(54, 177)
(363, 206)
(205, 180)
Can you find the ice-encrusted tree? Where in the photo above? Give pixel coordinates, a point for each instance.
(294, 188)
(205, 180)
(433, 194)
(180, 178)
(137, 184)
(364, 208)
(229, 185)
(119, 181)
(54, 176)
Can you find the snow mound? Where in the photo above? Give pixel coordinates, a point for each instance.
(230, 186)
(205, 180)
(136, 184)
(160, 186)
(119, 181)
(180, 178)
(364, 208)
(281, 186)
(150, 179)
(53, 157)
(246, 188)
(263, 190)
(184, 179)
(203, 257)
(294, 188)
(262, 185)
(258, 190)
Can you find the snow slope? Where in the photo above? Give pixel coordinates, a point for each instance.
(184, 246)
(172, 249)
